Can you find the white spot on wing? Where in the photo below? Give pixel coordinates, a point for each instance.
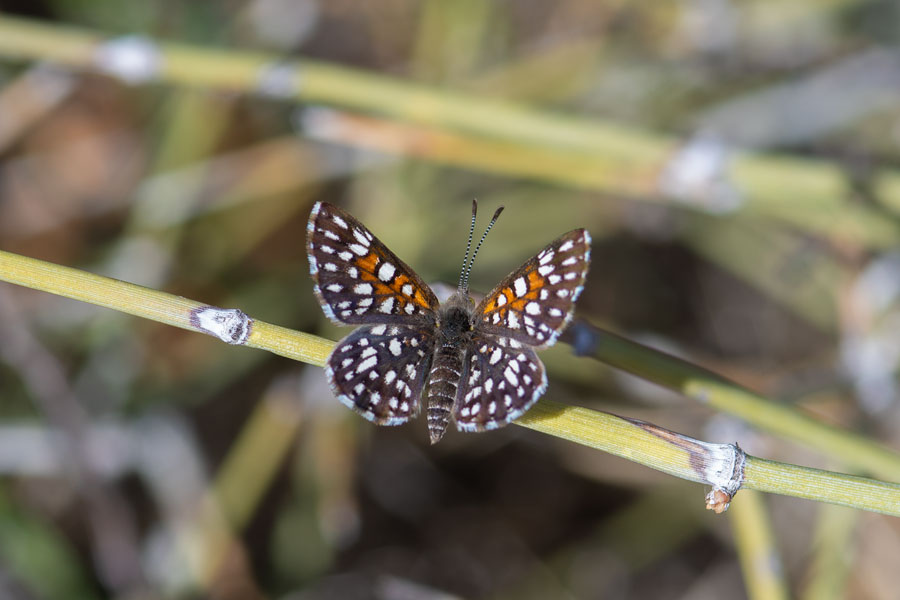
(362, 239)
(386, 272)
(520, 287)
(496, 356)
(366, 364)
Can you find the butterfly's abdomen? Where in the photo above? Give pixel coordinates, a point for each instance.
(443, 383)
(454, 331)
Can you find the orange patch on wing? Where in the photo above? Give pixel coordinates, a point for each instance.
(419, 299)
(397, 288)
(507, 294)
(535, 283)
(367, 264)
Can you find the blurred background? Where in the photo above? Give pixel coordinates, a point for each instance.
(739, 172)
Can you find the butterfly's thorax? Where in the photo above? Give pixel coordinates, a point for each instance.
(454, 332)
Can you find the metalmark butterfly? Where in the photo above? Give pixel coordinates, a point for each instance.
(475, 364)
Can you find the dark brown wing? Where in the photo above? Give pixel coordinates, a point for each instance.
(358, 280)
(534, 303)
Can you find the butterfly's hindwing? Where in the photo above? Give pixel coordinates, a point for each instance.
(501, 381)
(379, 371)
(535, 302)
(358, 280)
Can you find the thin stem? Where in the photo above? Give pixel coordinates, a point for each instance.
(622, 437)
(640, 442)
(714, 390)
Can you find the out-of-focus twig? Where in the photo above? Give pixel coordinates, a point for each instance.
(817, 189)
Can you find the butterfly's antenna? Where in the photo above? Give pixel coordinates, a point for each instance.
(464, 285)
(463, 273)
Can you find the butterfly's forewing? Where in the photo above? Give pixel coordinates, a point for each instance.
(358, 280)
(379, 371)
(534, 303)
(502, 378)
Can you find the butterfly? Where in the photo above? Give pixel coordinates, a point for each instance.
(474, 364)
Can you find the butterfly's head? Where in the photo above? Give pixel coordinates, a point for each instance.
(463, 289)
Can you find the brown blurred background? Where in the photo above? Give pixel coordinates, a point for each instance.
(142, 461)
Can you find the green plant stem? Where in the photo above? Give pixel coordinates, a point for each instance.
(709, 388)
(636, 441)
(150, 304)
(620, 437)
